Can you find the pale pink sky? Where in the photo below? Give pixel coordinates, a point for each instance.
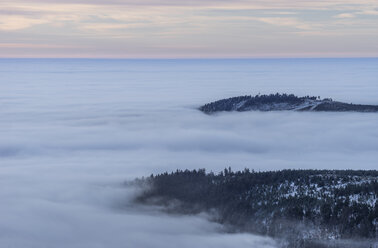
(188, 29)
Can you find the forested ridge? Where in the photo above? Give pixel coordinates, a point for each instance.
(304, 207)
(277, 102)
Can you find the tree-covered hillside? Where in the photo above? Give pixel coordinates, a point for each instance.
(277, 102)
(301, 206)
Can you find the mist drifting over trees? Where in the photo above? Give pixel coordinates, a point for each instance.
(305, 208)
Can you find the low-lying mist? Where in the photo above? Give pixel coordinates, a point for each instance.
(73, 132)
(62, 184)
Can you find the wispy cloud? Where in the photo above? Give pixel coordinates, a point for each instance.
(345, 15)
(369, 12)
(179, 23)
(18, 22)
(30, 45)
(287, 22)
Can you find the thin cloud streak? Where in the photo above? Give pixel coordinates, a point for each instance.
(282, 4)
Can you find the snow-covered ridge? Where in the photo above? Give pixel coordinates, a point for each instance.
(280, 102)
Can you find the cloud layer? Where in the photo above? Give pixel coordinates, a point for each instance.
(74, 130)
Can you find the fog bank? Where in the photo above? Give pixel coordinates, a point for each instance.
(72, 131)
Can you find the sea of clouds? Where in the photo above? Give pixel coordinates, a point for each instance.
(73, 131)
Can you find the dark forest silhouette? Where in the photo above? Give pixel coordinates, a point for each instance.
(301, 206)
(276, 102)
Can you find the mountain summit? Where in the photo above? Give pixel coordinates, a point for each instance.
(279, 102)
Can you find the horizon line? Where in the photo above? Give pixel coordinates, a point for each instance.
(192, 58)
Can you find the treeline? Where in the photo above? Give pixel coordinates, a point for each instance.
(300, 206)
(232, 103)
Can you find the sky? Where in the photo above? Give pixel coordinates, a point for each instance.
(188, 29)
